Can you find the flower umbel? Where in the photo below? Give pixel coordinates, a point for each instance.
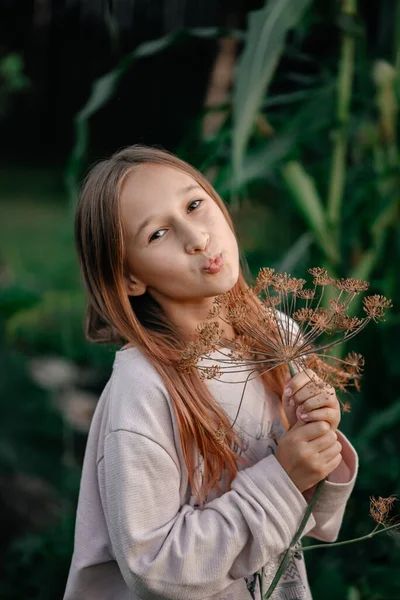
(279, 321)
(380, 508)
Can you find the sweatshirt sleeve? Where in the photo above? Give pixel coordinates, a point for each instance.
(329, 509)
(168, 550)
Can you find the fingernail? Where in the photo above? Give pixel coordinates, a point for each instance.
(288, 391)
(291, 402)
(304, 416)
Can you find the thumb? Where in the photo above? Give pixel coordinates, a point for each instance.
(290, 411)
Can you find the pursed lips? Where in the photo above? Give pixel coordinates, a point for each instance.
(214, 264)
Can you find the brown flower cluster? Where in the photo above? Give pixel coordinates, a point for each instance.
(380, 508)
(280, 321)
(339, 376)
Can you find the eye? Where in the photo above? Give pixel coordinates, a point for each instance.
(194, 202)
(154, 237)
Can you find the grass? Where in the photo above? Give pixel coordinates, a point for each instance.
(36, 241)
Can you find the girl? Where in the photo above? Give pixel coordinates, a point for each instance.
(169, 507)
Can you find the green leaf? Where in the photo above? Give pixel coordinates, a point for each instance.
(265, 42)
(262, 160)
(305, 194)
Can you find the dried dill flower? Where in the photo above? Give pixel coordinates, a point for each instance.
(380, 508)
(290, 326)
(280, 321)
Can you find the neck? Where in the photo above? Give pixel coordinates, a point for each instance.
(187, 327)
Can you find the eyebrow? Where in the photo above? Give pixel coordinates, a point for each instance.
(181, 192)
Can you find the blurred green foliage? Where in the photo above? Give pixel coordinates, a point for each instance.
(307, 157)
(12, 79)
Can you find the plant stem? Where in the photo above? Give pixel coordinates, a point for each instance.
(288, 554)
(345, 542)
(338, 166)
(260, 581)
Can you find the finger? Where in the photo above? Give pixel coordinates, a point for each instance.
(311, 431)
(330, 453)
(314, 389)
(303, 377)
(321, 414)
(307, 385)
(290, 411)
(325, 399)
(334, 463)
(309, 390)
(324, 442)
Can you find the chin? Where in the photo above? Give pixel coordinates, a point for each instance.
(230, 282)
(234, 274)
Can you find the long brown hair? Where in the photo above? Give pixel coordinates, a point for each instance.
(113, 316)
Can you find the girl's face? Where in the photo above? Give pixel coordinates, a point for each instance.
(172, 229)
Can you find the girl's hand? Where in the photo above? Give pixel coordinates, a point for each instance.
(308, 401)
(309, 453)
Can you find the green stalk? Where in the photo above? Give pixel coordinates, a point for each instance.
(345, 542)
(288, 554)
(345, 81)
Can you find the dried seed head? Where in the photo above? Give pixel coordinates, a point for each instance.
(297, 285)
(283, 283)
(321, 319)
(352, 285)
(380, 508)
(219, 435)
(209, 333)
(337, 307)
(264, 279)
(208, 339)
(303, 315)
(339, 377)
(236, 314)
(214, 312)
(306, 294)
(242, 348)
(375, 306)
(354, 363)
(272, 301)
(211, 372)
(321, 276)
(346, 323)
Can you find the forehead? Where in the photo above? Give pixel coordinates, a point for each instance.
(152, 187)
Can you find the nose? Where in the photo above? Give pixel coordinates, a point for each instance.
(197, 241)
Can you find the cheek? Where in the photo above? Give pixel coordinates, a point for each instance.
(233, 246)
(159, 266)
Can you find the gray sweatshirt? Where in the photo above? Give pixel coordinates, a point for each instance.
(140, 534)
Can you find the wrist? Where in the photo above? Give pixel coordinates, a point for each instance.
(308, 494)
